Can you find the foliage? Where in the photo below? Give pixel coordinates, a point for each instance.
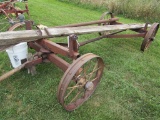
(146, 10)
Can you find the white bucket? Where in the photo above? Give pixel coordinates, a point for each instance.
(17, 53)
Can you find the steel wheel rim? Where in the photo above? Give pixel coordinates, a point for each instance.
(149, 37)
(64, 90)
(105, 14)
(108, 15)
(17, 25)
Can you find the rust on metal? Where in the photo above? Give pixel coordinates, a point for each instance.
(83, 73)
(150, 36)
(99, 38)
(73, 46)
(28, 24)
(8, 8)
(55, 48)
(38, 47)
(126, 36)
(62, 64)
(89, 23)
(82, 85)
(34, 62)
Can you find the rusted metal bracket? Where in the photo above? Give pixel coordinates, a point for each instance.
(73, 46)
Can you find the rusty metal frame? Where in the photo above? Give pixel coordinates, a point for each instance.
(112, 20)
(7, 8)
(49, 51)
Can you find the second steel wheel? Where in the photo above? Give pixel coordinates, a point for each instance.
(80, 81)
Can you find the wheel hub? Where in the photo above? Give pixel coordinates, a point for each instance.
(82, 82)
(89, 85)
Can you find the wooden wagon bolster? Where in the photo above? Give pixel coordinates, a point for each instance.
(15, 37)
(55, 32)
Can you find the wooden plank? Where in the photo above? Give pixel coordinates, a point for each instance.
(14, 37)
(91, 29)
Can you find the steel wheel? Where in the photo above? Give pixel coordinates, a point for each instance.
(150, 36)
(17, 26)
(105, 16)
(80, 81)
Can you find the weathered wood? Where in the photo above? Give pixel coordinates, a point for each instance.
(90, 29)
(8, 74)
(4, 47)
(14, 37)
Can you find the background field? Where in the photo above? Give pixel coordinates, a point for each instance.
(146, 10)
(129, 88)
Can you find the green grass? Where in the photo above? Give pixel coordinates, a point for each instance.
(129, 88)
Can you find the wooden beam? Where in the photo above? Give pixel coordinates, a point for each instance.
(14, 37)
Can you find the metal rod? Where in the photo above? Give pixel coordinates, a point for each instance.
(62, 64)
(98, 38)
(8, 74)
(89, 23)
(127, 35)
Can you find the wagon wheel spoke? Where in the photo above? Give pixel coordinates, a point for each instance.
(94, 70)
(76, 86)
(78, 94)
(82, 71)
(91, 73)
(73, 88)
(87, 70)
(94, 79)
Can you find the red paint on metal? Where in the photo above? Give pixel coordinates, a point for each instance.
(62, 64)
